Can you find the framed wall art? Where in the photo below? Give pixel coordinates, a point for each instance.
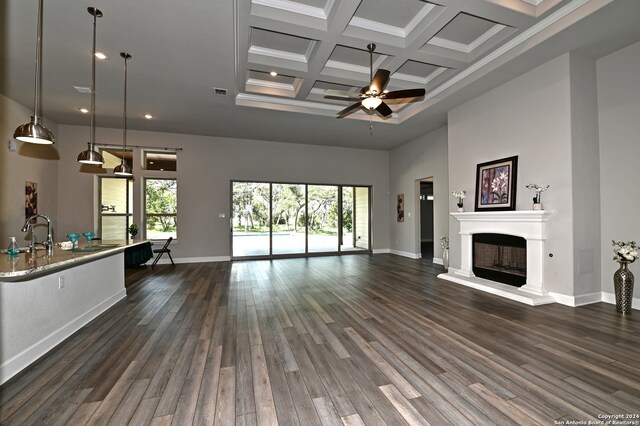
(496, 185)
(400, 207)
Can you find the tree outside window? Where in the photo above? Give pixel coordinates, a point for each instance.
(161, 208)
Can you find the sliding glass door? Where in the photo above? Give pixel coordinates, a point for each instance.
(289, 219)
(288, 204)
(355, 218)
(251, 219)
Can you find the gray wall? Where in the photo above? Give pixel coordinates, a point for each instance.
(32, 163)
(585, 177)
(421, 158)
(530, 116)
(619, 129)
(205, 168)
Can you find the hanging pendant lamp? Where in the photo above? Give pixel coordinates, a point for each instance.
(34, 131)
(123, 169)
(91, 156)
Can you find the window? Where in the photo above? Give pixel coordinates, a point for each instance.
(115, 212)
(162, 161)
(160, 208)
(113, 157)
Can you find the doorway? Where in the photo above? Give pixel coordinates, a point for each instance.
(426, 219)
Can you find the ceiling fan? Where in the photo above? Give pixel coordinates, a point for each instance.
(372, 97)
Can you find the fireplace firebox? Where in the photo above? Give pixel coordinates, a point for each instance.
(501, 258)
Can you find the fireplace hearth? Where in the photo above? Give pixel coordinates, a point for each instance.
(526, 224)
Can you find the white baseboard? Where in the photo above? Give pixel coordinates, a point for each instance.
(573, 301)
(20, 361)
(381, 251)
(407, 254)
(611, 298)
(438, 261)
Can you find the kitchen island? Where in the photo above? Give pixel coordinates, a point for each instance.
(46, 298)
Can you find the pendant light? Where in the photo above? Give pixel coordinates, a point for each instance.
(34, 131)
(91, 156)
(123, 169)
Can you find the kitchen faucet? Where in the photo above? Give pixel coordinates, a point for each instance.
(49, 243)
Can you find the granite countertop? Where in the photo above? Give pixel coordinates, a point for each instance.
(26, 266)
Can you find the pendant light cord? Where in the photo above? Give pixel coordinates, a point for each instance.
(36, 97)
(92, 123)
(126, 57)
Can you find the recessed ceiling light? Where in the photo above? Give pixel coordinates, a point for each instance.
(273, 73)
(100, 55)
(83, 110)
(148, 116)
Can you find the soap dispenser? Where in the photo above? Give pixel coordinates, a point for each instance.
(13, 249)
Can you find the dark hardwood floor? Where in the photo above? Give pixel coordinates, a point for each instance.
(347, 340)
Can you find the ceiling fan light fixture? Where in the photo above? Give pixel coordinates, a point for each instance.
(34, 131)
(371, 103)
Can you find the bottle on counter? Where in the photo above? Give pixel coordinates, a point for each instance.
(13, 249)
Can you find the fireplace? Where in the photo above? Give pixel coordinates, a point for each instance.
(526, 224)
(501, 258)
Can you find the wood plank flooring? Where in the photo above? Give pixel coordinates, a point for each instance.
(351, 340)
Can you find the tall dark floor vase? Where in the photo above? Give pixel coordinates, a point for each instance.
(623, 284)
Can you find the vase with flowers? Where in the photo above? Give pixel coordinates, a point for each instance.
(537, 199)
(444, 242)
(460, 195)
(624, 253)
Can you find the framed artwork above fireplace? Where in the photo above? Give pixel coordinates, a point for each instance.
(496, 185)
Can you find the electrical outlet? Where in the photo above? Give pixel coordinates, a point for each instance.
(60, 283)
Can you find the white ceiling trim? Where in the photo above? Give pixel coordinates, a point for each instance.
(466, 48)
(533, 2)
(391, 30)
(286, 104)
(378, 27)
(419, 80)
(505, 48)
(318, 108)
(354, 68)
(270, 84)
(424, 12)
(290, 6)
(280, 54)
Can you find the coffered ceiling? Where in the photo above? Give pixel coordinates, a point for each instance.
(204, 67)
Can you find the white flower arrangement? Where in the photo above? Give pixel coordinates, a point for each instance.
(444, 242)
(624, 251)
(539, 190)
(460, 195)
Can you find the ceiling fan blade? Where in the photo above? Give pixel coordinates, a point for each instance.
(409, 93)
(348, 110)
(342, 98)
(384, 110)
(379, 81)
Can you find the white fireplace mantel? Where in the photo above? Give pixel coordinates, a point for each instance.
(528, 224)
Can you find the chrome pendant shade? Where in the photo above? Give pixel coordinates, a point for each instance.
(123, 169)
(91, 156)
(34, 131)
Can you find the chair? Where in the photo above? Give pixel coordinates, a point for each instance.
(162, 251)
